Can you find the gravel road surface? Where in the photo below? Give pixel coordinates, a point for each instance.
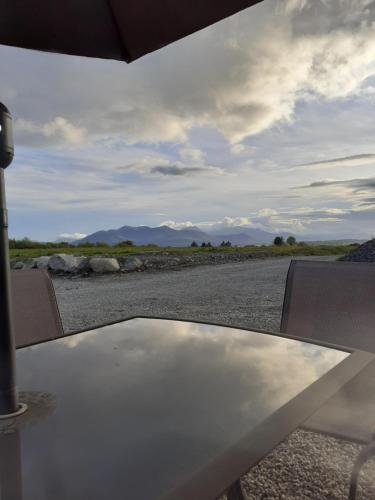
(247, 294)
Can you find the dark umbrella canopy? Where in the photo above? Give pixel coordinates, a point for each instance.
(109, 29)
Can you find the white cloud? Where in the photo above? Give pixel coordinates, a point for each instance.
(192, 155)
(242, 149)
(57, 130)
(176, 225)
(236, 221)
(267, 212)
(72, 236)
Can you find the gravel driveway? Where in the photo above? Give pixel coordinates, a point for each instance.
(248, 294)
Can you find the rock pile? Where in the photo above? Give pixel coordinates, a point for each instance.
(363, 253)
(62, 263)
(77, 265)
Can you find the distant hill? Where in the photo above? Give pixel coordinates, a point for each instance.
(166, 236)
(240, 235)
(334, 242)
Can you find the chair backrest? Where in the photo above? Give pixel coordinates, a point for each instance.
(35, 311)
(331, 301)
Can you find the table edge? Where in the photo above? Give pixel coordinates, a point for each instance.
(215, 478)
(223, 325)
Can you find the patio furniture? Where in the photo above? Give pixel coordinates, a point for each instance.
(331, 302)
(36, 315)
(162, 409)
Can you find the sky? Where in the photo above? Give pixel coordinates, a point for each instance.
(264, 120)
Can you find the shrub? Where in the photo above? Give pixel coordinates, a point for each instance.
(86, 244)
(26, 243)
(291, 240)
(278, 241)
(125, 243)
(194, 244)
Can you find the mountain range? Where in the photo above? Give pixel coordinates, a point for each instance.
(167, 236)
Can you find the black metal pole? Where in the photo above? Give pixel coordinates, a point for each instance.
(8, 390)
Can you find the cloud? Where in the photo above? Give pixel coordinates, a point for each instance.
(235, 221)
(368, 201)
(174, 170)
(191, 154)
(346, 161)
(297, 221)
(72, 236)
(356, 185)
(176, 225)
(55, 131)
(239, 77)
(267, 212)
(242, 149)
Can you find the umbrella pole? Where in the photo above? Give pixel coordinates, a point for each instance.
(8, 390)
(8, 393)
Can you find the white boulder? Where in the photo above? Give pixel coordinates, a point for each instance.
(83, 264)
(18, 265)
(26, 263)
(132, 264)
(42, 262)
(63, 262)
(104, 265)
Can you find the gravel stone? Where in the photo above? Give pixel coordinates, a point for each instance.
(309, 466)
(363, 253)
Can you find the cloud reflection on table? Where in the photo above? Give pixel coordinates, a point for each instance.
(143, 404)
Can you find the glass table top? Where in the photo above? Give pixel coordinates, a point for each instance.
(135, 408)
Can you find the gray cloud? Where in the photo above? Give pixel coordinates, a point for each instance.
(357, 185)
(175, 170)
(361, 159)
(368, 201)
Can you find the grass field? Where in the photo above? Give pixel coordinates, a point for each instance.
(271, 250)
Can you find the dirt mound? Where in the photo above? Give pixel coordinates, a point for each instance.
(363, 253)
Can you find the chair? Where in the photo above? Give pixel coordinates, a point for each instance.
(35, 310)
(331, 302)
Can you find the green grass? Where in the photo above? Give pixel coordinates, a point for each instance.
(263, 251)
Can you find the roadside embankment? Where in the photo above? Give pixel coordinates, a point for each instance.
(81, 265)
